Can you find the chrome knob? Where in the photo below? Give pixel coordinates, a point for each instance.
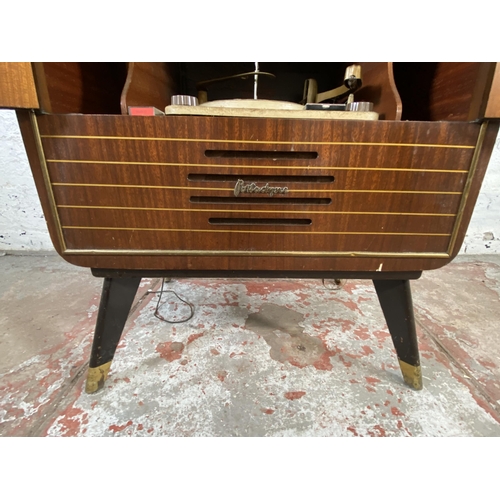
(184, 100)
(359, 106)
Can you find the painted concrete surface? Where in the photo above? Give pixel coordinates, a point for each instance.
(259, 358)
(22, 223)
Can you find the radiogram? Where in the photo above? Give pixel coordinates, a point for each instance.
(298, 170)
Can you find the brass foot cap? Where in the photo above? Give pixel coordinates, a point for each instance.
(96, 377)
(412, 375)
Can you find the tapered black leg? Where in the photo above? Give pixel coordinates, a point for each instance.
(116, 300)
(395, 299)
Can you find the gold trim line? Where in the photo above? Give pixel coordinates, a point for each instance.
(250, 211)
(267, 167)
(47, 181)
(189, 188)
(241, 141)
(257, 253)
(191, 230)
(467, 187)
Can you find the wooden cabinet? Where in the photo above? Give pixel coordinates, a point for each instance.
(208, 194)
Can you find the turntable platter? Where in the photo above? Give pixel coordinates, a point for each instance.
(253, 104)
(263, 108)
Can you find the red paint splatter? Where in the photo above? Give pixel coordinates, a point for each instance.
(487, 364)
(193, 337)
(397, 412)
(390, 392)
(362, 333)
(215, 352)
(141, 403)
(345, 324)
(323, 362)
(264, 287)
(126, 379)
(353, 430)
(387, 403)
(150, 430)
(222, 375)
(170, 350)
(70, 422)
(349, 303)
(119, 428)
(294, 395)
(369, 388)
(353, 381)
(366, 351)
(347, 364)
(372, 380)
(380, 431)
(380, 334)
(267, 411)
(140, 427)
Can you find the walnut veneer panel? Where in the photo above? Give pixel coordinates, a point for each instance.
(145, 188)
(17, 86)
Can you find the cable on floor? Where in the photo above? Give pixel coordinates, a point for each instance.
(157, 312)
(338, 284)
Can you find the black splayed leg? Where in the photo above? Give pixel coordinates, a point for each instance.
(116, 301)
(395, 299)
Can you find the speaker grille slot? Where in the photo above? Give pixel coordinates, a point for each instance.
(260, 178)
(270, 155)
(259, 201)
(247, 221)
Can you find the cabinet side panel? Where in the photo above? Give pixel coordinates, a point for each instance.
(17, 86)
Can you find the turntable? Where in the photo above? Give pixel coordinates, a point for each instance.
(313, 106)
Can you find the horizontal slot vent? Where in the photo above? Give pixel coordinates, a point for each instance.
(230, 221)
(260, 201)
(270, 155)
(261, 178)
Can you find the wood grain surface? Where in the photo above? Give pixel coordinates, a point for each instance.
(158, 192)
(17, 86)
(148, 84)
(380, 89)
(493, 106)
(80, 87)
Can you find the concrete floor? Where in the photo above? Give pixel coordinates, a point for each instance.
(259, 357)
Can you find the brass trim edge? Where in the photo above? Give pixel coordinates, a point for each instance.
(256, 253)
(47, 181)
(193, 188)
(96, 377)
(412, 375)
(241, 141)
(267, 167)
(191, 230)
(250, 211)
(467, 187)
